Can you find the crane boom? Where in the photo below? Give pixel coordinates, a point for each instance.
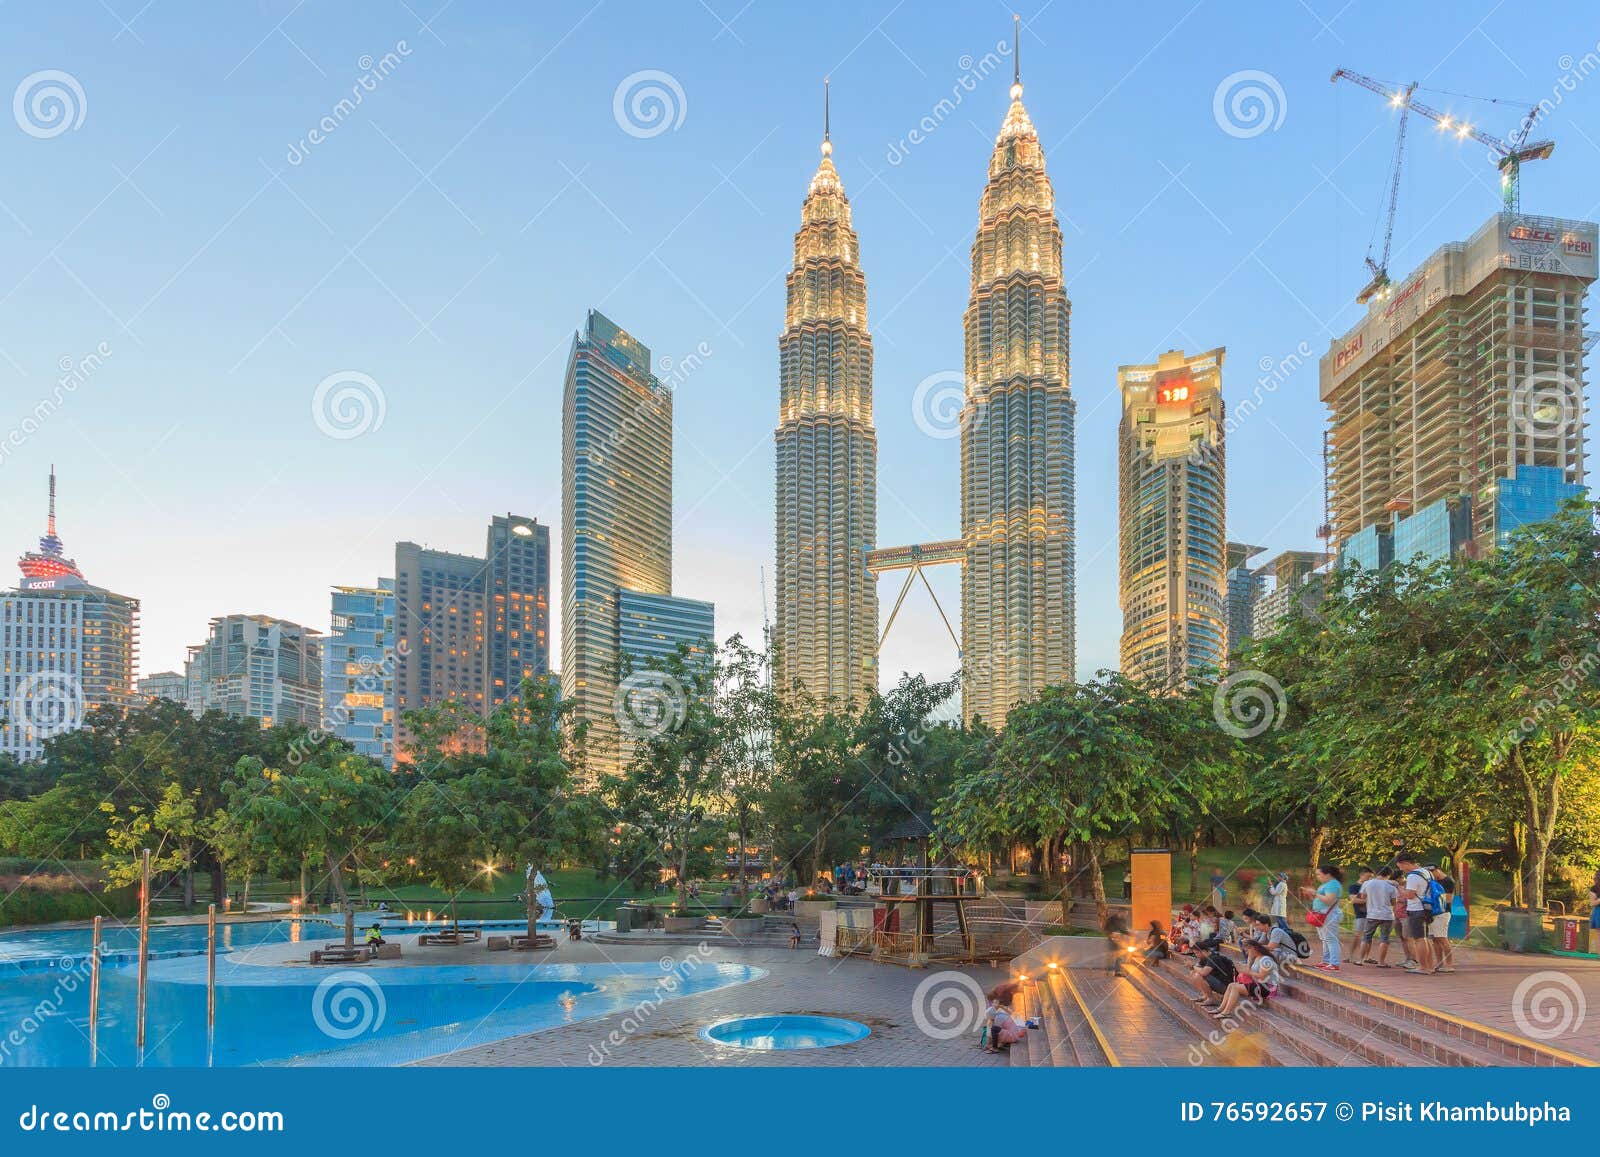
(1512, 153)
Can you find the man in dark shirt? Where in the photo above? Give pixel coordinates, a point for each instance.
(1212, 973)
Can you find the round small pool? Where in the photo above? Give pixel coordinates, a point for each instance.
(770, 1033)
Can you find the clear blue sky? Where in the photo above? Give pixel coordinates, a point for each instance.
(448, 235)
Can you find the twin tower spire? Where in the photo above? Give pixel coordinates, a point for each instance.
(1017, 445)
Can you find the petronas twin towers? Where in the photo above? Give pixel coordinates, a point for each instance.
(1017, 491)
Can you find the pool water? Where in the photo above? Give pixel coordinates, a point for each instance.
(275, 1014)
(777, 1033)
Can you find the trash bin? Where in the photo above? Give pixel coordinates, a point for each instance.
(624, 919)
(1521, 931)
(1572, 934)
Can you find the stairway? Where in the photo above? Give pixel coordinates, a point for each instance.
(1318, 1019)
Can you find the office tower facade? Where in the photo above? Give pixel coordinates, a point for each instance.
(1466, 371)
(826, 624)
(358, 669)
(163, 685)
(1018, 593)
(1292, 582)
(616, 508)
(1243, 588)
(469, 628)
(258, 667)
(67, 647)
(652, 627)
(1172, 475)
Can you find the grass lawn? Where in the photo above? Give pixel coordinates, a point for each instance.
(1489, 888)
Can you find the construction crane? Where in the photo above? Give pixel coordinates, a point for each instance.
(1380, 268)
(1512, 153)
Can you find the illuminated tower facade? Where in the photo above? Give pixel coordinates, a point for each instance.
(1017, 520)
(827, 454)
(616, 517)
(1171, 474)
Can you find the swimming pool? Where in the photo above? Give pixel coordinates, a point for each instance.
(274, 1014)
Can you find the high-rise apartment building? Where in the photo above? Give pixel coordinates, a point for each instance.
(517, 589)
(258, 667)
(358, 666)
(1244, 586)
(167, 685)
(1018, 593)
(616, 514)
(1464, 374)
(1292, 581)
(1171, 490)
(470, 629)
(826, 631)
(67, 647)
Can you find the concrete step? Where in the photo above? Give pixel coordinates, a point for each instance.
(1020, 1055)
(1077, 1039)
(1417, 1035)
(1258, 1039)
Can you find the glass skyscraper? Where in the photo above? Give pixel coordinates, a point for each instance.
(1171, 483)
(1018, 592)
(826, 633)
(616, 515)
(358, 670)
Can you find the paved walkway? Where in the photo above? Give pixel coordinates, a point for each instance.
(1555, 1000)
(884, 997)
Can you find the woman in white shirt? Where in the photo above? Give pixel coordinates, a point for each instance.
(1260, 982)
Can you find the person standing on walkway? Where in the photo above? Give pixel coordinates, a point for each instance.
(1358, 905)
(1444, 958)
(1278, 900)
(1219, 889)
(1325, 903)
(1414, 887)
(1381, 896)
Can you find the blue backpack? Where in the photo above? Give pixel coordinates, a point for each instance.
(1433, 899)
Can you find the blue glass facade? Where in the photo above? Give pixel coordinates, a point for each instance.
(1435, 532)
(1535, 494)
(358, 670)
(1370, 548)
(651, 626)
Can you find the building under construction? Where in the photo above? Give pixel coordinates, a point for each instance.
(1459, 391)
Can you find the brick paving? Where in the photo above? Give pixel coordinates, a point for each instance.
(880, 996)
(1484, 989)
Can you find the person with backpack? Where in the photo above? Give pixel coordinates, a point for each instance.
(1414, 886)
(1442, 894)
